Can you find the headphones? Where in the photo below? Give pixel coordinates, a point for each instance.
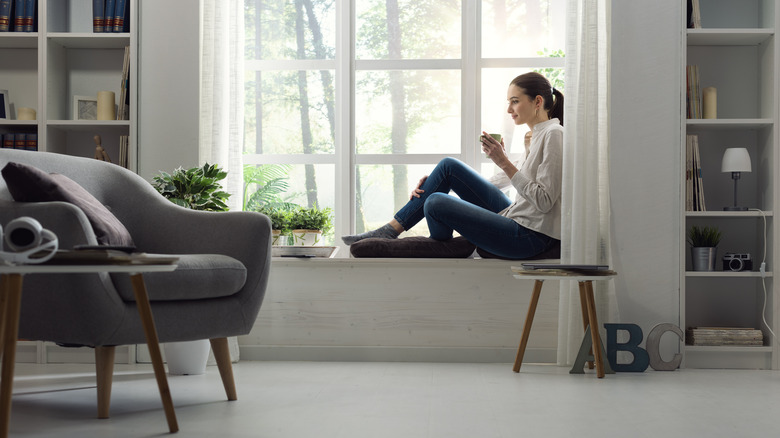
(27, 241)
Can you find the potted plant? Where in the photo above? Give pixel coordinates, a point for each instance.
(309, 224)
(280, 223)
(704, 247)
(198, 188)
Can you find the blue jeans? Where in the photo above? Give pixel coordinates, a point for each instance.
(474, 215)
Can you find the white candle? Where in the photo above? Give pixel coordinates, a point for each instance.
(26, 114)
(710, 98)
(106, 108)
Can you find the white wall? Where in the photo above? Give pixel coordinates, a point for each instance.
(169, 76)
(645, 159)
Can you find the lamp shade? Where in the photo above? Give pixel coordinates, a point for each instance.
(736, 160)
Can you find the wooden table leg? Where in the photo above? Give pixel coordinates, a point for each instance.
(4, 285)
(145, 311)
(584, 310)
(529, 319)
(594, 328)
(12, 292)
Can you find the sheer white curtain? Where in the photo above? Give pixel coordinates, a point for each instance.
(222, 91)
(585, 199)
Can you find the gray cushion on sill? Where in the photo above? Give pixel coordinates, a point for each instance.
(198, 276)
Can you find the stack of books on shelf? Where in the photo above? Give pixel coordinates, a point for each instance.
(724, 336)
(123, 112)
(19, 140)
(693, 92)
(18, 16)
(110, 16)
(694, 186)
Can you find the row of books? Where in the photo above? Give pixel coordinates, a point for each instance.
(110, 16)
(694, 187)
(722, 336)
(18, 16)
(694, 14)
(123, 110)
(693, 92)
(19, 140)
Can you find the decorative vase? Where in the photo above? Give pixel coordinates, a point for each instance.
(704, 258)
(279, 239)
(307, 237)
(187, 358)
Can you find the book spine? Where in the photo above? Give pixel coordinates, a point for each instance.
(32, 142)
(19, 16)
(98, 16)
(9, 140)
(5, 15)
(29, 15)
(20, 141)
(120, 15)
(110, 13)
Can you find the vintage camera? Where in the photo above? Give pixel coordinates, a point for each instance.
(737, 262)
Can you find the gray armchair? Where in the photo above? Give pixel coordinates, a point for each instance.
(215, 292)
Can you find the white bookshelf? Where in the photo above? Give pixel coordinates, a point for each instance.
(737, 54)
(44, 70)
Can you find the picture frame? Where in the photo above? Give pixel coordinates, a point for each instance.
(84, 107)
(5, 105)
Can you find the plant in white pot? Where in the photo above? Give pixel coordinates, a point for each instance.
(704, 247)
(280, 224)
(198, 188)
(309, 224)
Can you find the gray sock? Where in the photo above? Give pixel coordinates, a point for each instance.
(385, 232)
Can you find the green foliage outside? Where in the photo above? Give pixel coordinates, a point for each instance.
(554, 75)
(264, 186)
(198, 188)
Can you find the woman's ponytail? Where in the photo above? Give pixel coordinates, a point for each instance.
(557, 107)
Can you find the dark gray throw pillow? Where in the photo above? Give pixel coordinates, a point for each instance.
(412, 247)
(30, 184)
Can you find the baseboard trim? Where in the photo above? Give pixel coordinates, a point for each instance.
(393, 354)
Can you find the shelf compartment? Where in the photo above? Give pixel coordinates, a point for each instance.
(90, 40)
(727, 274)
(728, 214)
(736, 357)
(729, 37)
(19, 40)
(721, 124)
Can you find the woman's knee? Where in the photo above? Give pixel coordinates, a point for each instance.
(436, 202)
(450, 163)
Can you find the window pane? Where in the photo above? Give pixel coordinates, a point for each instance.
(378, 199)
(414, 29)
(295, 110)
(412, 112)
(278, 29)
(522, 28)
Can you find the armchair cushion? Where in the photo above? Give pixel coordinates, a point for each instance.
(30, 184)
(198, 276)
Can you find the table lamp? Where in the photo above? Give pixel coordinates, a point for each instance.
(735, 160)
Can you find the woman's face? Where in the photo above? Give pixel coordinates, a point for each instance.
(521, 107)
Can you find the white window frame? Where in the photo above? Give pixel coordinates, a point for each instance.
(344, 65)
